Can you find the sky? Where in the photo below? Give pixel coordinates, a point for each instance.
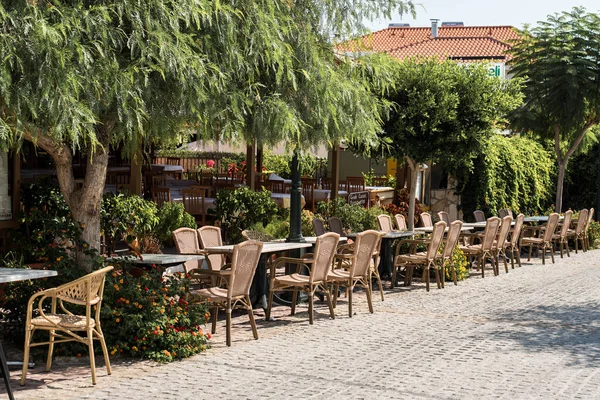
(481, 12)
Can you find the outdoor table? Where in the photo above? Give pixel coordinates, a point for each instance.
(16, 275)
(313, 239)
(539, 219)
(171, 262)
(481, 225)
(429, 229)
(259, 282)
(386, 261)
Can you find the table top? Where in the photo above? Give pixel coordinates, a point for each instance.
(313, 239)
(23, 274)
(388, 235)
(540, 218)
(268, 247)
(159, 259)
(379, 188)
(429, 229)
(482, 224)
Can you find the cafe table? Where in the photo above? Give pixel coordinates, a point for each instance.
(386, 260)
(429, 229)
(170, 262)
(16, 275)
(539, 219)
(259, 282)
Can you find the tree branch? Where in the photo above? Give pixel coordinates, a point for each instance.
(577, 142)
(557, 143)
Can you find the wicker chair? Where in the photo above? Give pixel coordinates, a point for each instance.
(544, 242)
(499, 245)
(587, 227)
(210, 236)
(562, 236)
(161, 195)
(426, 219)
(427, 259)
(483, 251)
(318, 226)
(385, 223)
(335, 225)
(358, 272)
(400, 222)
(449, 245)
(578, 234)
(443, 216)
(513, 247)
(479, 216)
(237, 294)
(374, 267)
(87, 292)
(319, 265)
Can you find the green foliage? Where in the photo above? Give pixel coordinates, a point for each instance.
(354, 217)
(402, 206)
(205, 155)
(242, 208)
(370, 175)
(147, 315)
(125, 217)
(515, 173)
(582, 179)
(594, 234)
(460, 264)
(172, 216)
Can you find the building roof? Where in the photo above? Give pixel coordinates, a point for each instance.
(452, 41)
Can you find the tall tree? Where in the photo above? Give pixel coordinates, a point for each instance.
(560, 59)
(444, 112)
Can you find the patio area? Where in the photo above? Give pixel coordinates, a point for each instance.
(526, 334)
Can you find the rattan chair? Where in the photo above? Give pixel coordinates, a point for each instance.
(447, 254)
(562, 236)
(358, 271)
(427, 259)
(499, 245)
(587, 227)
(443, 216)
(400, 222)
(483, 251)
(335, 225)
(479, 216)
(578, 234)
(210, 236)
(318, 226)
(385, 223)
(237, 294)
(374, 267)
(545, 241)
(318, 264)
(83, 292)
(513, 247)
(426, 219)
(161, 195)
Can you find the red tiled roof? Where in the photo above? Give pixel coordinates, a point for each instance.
(454, 41)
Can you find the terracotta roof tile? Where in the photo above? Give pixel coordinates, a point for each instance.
(455, 48)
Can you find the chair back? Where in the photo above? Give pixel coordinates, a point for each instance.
(355, 184)
(452, 238)
(552, 224)
(479, 216)
(400, 222)
(275, 186)
(326, 183)
(364, 248)
(210, 236)
(514, 238)
(205, 178)
(581, 221)
(186, 242)
(85, 291)
(385, 223)
(161, 195)
(243, 265)
(590, 218)
(159, 180)
(335, 225)
(503, 212)
(194, 204)
(504, 230)
(426, 219)
(319, 226)
(489, 235)
(566, 223)
(324, 252)
(436, 239)
(443, 215)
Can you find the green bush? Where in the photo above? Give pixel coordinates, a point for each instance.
(127, 217)
(280, 164)
(355, 218)
(172, 216)
(148, 316)
(241, 209)
(460, 264)
(594, 234)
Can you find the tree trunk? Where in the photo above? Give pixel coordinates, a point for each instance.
(414, 167)
(562, 166)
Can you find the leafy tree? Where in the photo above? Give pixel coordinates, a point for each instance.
(560, 59)
(444, 112)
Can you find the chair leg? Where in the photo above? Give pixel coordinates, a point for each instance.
(28, 335)
(369, 298)
(530, 249)
(378, 277)
(5, 373)
(294, 299)
(311, 307)
(228, 323)
(552, 254)
(567, 246)
(512, 258)
(576, 246)
(504, 259)
(453, 273)
(519, 257)
(482, 265)
(251, 317)
(50, 350)
(329, 301)
(561, 249)
(349, 290)
(270, 304)
(336, 289)
(90, 338)
(394, 268)
(215, 315)
(100, 335)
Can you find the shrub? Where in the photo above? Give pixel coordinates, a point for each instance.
(354, 217)
(460, 264)
(146, 315)
(594, 234)
(172, 216)
(242, 208)
(401, 205)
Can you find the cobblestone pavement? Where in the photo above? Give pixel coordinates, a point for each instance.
(533, 333)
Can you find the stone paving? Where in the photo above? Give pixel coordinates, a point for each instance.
(533, 333)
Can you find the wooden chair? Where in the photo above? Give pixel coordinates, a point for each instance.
(400, 222)
(159, 181)
(358, 272)
(355, 184)
(385, 223)
(587, 227)
(161, 195)
(562, 236)
(243, 266)
(443, 216)
(499, 245)
(427, 259)
(308, 191)
(318, 264)
(194, 204)
(479, 216)
(448, 252)
(483, 251)
(545, 241)
(62, 326)
(578, 234)
(426, 220)
(513, 247)
(275, 186)
(326, 183)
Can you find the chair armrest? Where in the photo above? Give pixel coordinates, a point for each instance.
(306, 261)
(412, 242)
